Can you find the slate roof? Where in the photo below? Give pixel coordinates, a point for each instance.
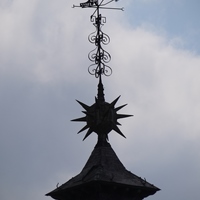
(104, 173)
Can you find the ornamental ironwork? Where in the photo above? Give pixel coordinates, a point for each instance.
(99, 56)
(101, 117)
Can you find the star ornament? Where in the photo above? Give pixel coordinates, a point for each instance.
(101, 118)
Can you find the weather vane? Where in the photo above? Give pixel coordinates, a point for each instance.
(98, 56)
(101, 117)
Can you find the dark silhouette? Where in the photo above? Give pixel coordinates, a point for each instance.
(89, 3)
(103, 177)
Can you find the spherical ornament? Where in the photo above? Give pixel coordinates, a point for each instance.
(101, 118)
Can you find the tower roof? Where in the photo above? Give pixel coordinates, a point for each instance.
(104, 174)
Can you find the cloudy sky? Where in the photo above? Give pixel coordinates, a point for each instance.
(155, 49)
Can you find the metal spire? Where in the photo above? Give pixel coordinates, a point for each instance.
(101, 117)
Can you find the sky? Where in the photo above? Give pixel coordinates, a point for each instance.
(155, 51)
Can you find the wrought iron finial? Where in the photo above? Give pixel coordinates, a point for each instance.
(98, 56)
(101, 117)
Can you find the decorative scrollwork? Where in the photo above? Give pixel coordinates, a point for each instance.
(92, 37)
(99, 56)
(92, 55)
(99, 19)
(92, 69)
(106, 57)
(105, 39)
(107, 70)
(99, 70)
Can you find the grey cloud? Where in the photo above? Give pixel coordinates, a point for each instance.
(44, 69)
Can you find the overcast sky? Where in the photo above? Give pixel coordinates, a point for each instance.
(155, 49)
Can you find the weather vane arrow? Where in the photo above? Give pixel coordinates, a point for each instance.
(96, 4)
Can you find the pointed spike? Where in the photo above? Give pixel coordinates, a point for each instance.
(120, 107)
(119, 116)
(118, 123)
(107, 139)
(82, 119)
(88, 133)
(115, 101)
(100, 94)
(97, 101)
(88, 114)
(115, 128)
(86, 107)
(84, 128)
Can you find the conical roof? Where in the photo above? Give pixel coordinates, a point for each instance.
(104, 177)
